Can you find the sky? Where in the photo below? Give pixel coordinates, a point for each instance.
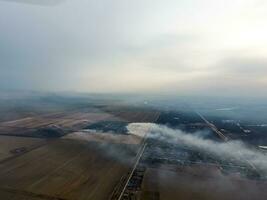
(177, 47)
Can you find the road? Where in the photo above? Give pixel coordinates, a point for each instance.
(139, 155)
(213, 127)
(225, 139)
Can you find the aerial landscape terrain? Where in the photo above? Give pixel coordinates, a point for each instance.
(68, 148)
(133, 100)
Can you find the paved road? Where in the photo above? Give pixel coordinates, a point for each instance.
(213, 127)
(224, 138)
(139, 155)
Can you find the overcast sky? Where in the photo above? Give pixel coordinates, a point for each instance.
(175, 47)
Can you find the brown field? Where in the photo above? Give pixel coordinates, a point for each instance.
(134, 115)
(199, 182)
(77, 166)
(8, 195)
(66, 121)
(137, 116)
(66, 169)
(13, 146)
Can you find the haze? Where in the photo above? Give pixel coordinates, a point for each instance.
(146, 46)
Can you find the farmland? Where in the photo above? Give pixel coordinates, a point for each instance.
(67, 169)
(54, 155)
(95, 151)
(14, 146)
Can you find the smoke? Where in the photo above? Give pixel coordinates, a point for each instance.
(231, 150)
(120, 148)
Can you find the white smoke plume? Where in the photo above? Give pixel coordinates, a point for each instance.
(236, 150)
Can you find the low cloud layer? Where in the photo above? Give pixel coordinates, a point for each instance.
(175, 47)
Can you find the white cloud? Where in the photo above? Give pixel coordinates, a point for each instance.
(121, 45)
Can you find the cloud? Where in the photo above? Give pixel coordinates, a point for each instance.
(36, 2)
(170, 46)
(245, 66)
